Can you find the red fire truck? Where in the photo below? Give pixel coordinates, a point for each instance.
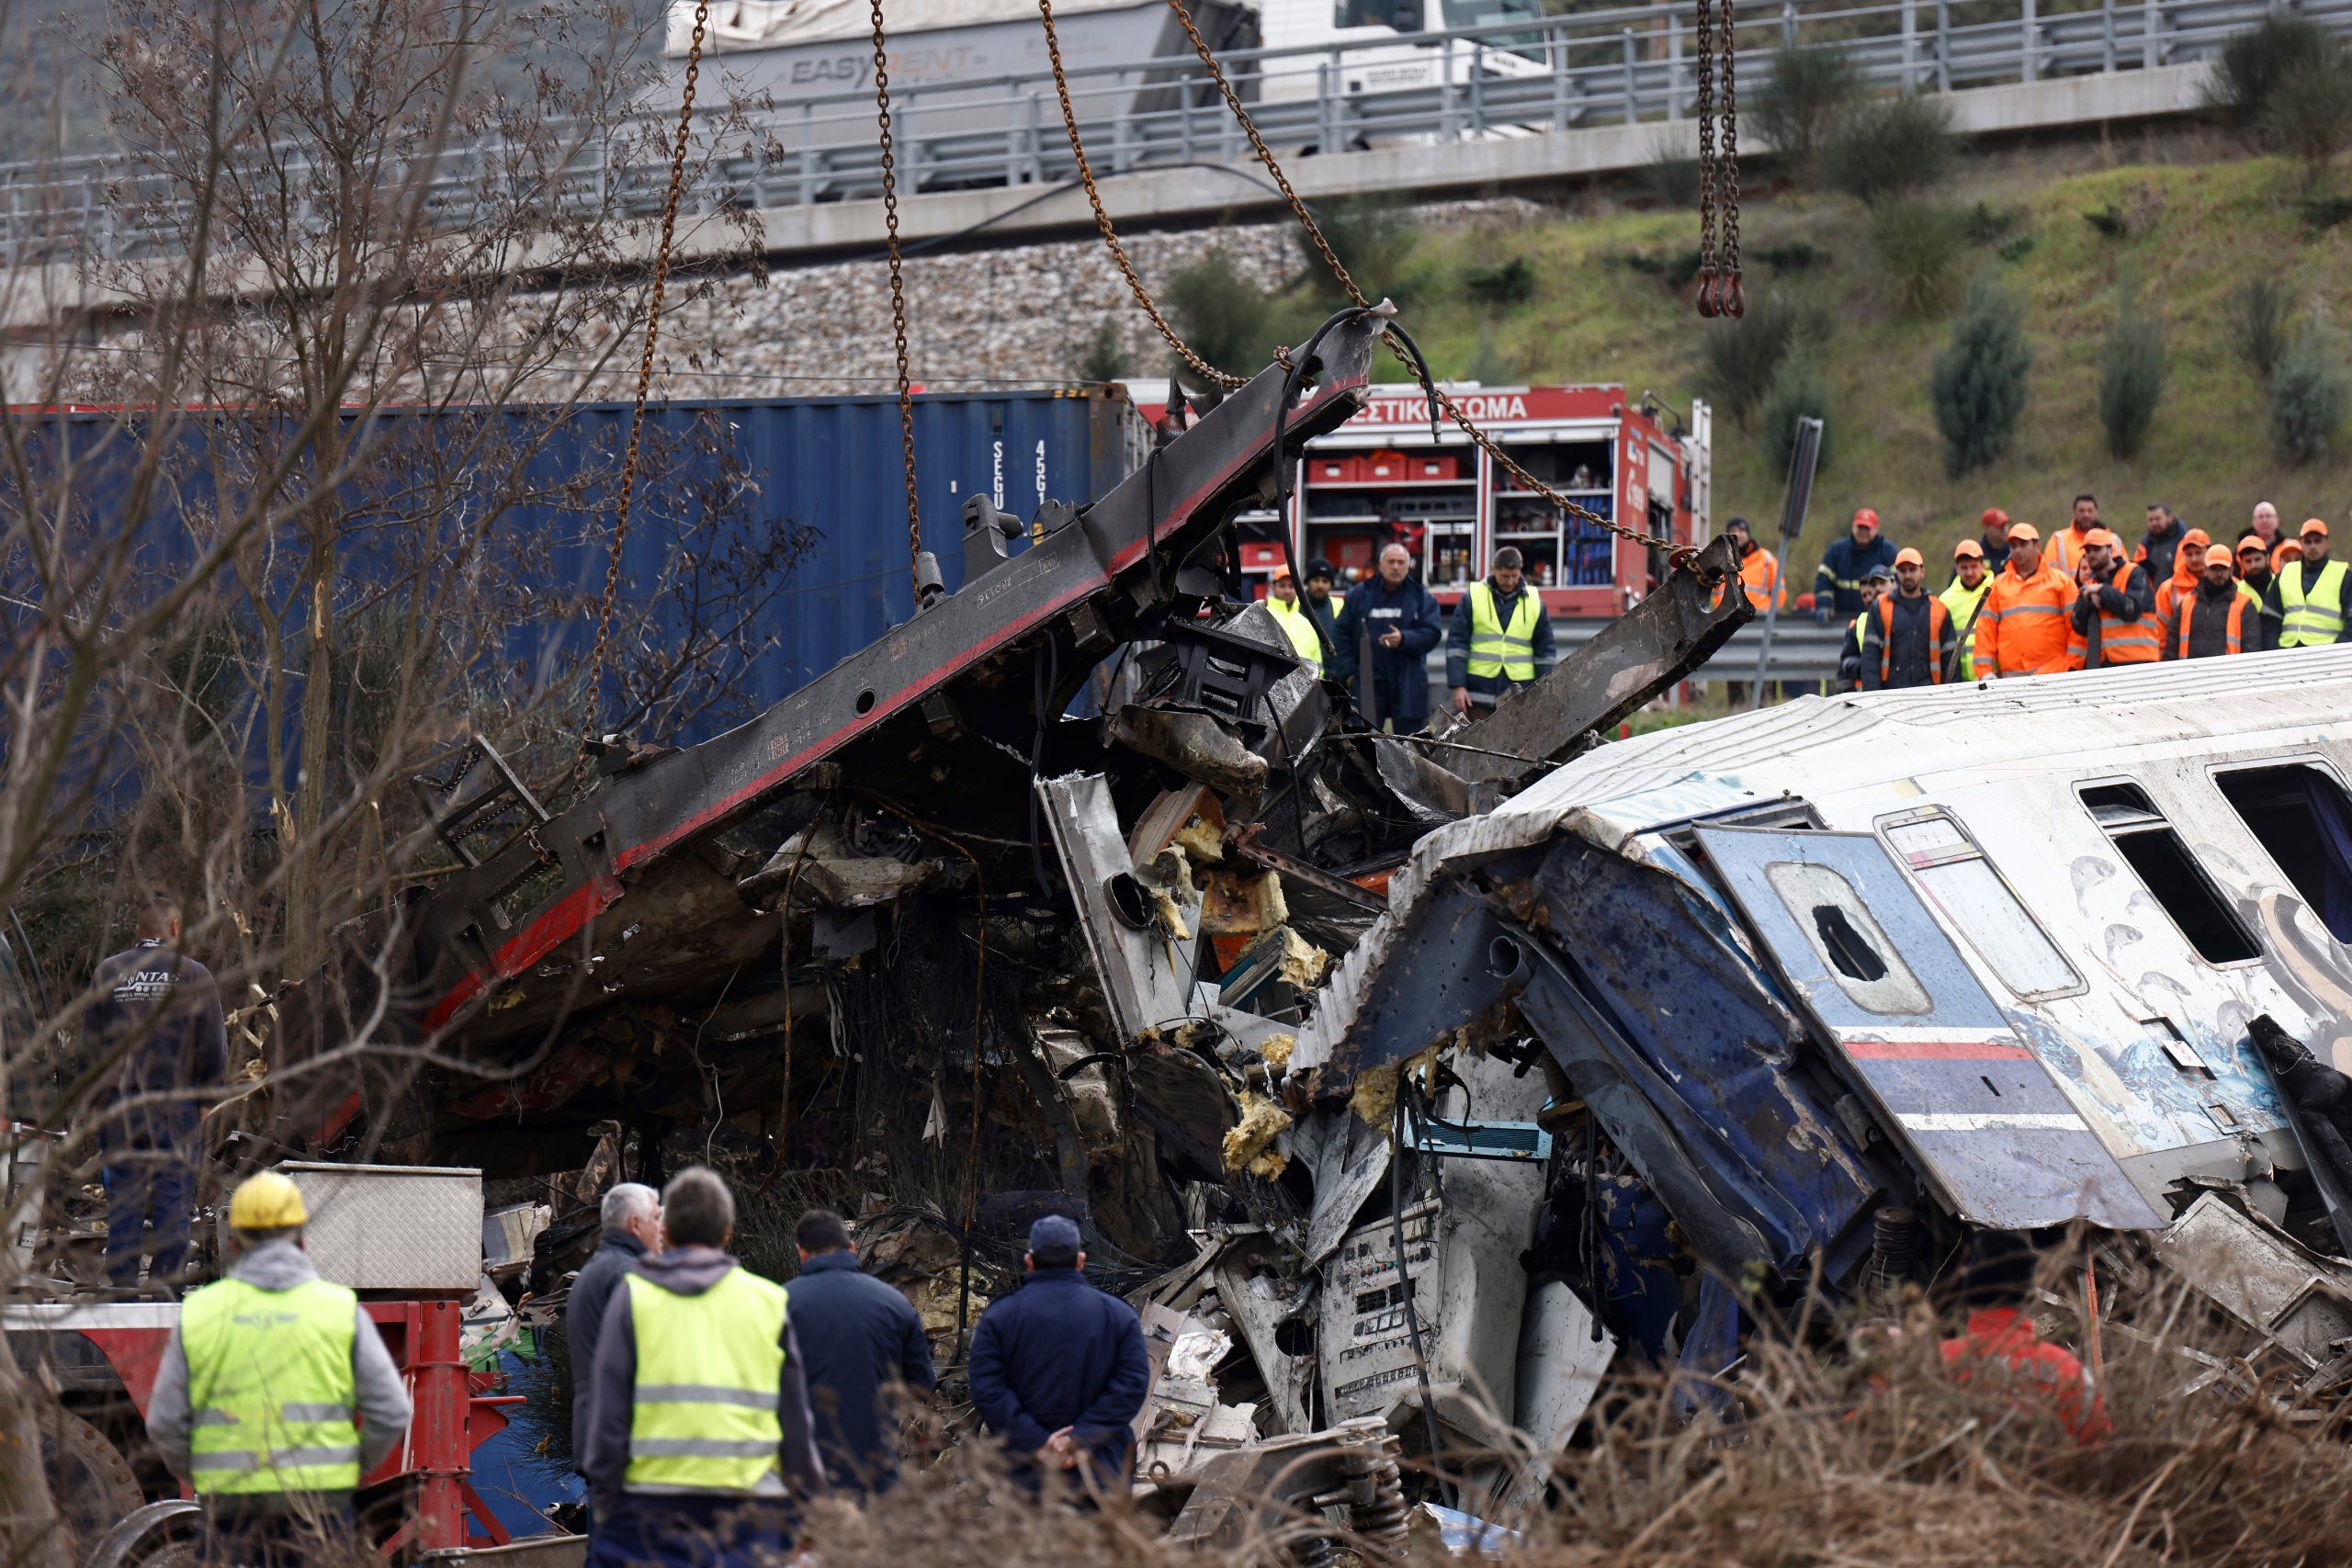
(1387, 476)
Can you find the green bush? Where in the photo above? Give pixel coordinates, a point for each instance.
(2131, 376)
(1104, 357)
(1673, 268)
(2017, 248)
(2256, 320)
(1512, 283)
(1917, 247)
(2309, 117)
(2308, 396)
(1798, 392)
(2256, 61)
(1889, 148)
(1978, 383)
(2322, 213)
(1796, 255)
(1987, 225)
(1803, 97)
(1739, 359)
(1667, 177)
(1371, 236)
(1220, 313)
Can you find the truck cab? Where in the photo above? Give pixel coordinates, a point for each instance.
(1393, 46)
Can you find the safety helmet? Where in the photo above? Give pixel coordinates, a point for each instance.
(267, 1201)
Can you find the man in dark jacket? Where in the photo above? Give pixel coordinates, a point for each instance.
(2160, 548)
(1386, 628)
(1908, 637)
(1501, 637)
(1838, 586)
(2113, 618)
(699, 1435)
(1993, 538)
(2253, 570)
(1320, 579)
(861, 1341)
(631, 1218)
(157, 1024)
(1058, 1370)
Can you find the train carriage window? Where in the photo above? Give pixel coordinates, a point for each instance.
(2152, 849)
(2303, 818)
(1847, 938)
(1979, 906)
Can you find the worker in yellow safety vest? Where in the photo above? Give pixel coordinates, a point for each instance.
(699, 1431)
(275, 1394)
(1281, 602)
(2308, 602)
(1499, 637)
(1964, 598)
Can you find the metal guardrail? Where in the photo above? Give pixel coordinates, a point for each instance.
(1595, 68)
(1804, 652)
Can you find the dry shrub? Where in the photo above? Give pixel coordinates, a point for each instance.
(1873, 1457)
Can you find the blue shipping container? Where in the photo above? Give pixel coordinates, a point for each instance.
(737, 476)
(834, 467)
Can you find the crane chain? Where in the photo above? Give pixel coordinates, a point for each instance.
(1445, 403)
(1732, 297)
(897, 301)
(1706, 274)
(636, 413)
(1102, 216)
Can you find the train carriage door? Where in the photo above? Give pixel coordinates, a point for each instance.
(1917, 1036)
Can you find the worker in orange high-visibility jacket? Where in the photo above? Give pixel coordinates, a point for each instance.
(2218, 617)
(2188, 571)
(1759, 569)
(2064, 551)
(2022, 630)
(2113, 621)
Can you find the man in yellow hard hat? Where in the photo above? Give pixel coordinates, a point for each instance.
(275, 1394)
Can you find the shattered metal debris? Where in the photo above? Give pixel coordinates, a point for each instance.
(1408, 1084)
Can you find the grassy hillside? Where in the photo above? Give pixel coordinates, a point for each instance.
(2194, 233)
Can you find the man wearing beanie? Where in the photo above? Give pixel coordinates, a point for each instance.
(1058, 1370)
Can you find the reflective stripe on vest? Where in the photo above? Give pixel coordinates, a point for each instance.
(2315, 618)
(1937, 616)
(2120, 641)
(270, 1388)
(1294, 619)
(2231, 632)
(1497, 650)
(707, 1371)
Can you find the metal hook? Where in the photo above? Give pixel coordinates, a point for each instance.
(1706, 297)
(1735, 300)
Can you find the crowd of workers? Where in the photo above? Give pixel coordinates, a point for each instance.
(2082, 599)
(2016, 604)
(709, 1403)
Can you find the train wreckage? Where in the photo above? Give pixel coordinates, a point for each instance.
(1407, 1083)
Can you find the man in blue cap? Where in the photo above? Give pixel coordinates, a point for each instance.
(1059, 1371)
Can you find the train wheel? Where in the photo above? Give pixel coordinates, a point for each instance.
(93, 1483)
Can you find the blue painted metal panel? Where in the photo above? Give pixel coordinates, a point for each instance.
(1987, 1124)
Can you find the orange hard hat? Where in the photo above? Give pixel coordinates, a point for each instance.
(1966, 548)
(2025, 531)
(1910, 556)
(2313, 525)
(2218, 555)
(2098, 536)
(2196, 538)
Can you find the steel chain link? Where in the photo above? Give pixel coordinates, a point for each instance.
(1706, 275)
(644, 386)
(1102, 216)
(897, 301)
(1732, 296)
(1338, 270)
